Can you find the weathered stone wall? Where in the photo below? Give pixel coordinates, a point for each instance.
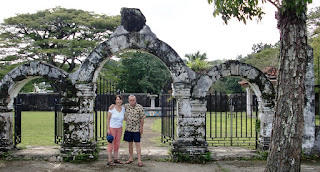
(308, 139)
(6, 127)
(78, 125)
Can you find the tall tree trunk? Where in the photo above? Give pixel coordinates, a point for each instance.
(286, 137)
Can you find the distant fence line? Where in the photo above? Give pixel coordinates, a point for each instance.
(46, 101)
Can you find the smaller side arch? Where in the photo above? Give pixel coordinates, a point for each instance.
(11, 83)
(260, 84)
(254, 76)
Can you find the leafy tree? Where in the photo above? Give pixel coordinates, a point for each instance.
(55, 35)
(197, 62)
(228, 85)
(216, 62)
(286, 138)
(315, 44)
(142, 73)
(111, 71)
(197, 55)
(256, 48)
(265, 58)
(314, 21)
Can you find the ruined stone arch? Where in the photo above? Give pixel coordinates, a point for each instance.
(260, 84)
(128, 37)
(11, 83)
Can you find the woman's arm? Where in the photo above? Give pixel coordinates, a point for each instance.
(108, 122)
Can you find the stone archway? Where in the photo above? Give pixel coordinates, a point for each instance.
(133, 34)
(259, 83)
(11, 84)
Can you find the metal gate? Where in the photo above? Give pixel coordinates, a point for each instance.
(105, 93)
(229, 122)
(58, 122)
(168, 124)
(17, 121)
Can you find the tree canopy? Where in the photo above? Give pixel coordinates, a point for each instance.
(142, 73)
(54, 35)
(197, 62)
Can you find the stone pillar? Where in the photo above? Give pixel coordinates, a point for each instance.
(266, 115)
(78, 122)
(309, 109)
(6, 130)
(249, 101)
(191, 126)
(152, 99)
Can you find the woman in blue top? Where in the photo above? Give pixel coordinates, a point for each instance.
(114, 122)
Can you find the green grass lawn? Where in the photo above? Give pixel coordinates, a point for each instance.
(227, 130)
(243, 129)
(37, 128)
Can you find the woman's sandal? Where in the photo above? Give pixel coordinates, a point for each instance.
(140, 164)
(128, 162)
(110, 163)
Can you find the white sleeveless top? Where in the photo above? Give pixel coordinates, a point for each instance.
(116, 117)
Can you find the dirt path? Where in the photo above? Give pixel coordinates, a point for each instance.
(148, 137)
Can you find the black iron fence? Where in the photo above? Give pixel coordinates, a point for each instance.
(38, 101)
(236, 126)
(17, 121)
(58, 122)
(105, 97)
(168, 121)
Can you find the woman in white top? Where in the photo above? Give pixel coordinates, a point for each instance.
(114, 122)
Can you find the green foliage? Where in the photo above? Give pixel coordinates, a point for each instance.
(314, 41)
(81, 157)
(5, 155)
(262, 155)
(197, 62)
(227, 85)
(197, 55)
(216, 62)
(314, 21)
(242, 10)
(111, 71)
(6, 67)
(265, 58)
(68, 34)
(258, 125)
(202, 158)
(198, 65)
(142, 73)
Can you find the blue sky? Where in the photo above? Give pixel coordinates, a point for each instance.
(186, 25)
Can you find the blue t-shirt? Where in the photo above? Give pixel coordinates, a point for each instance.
(116, 117)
